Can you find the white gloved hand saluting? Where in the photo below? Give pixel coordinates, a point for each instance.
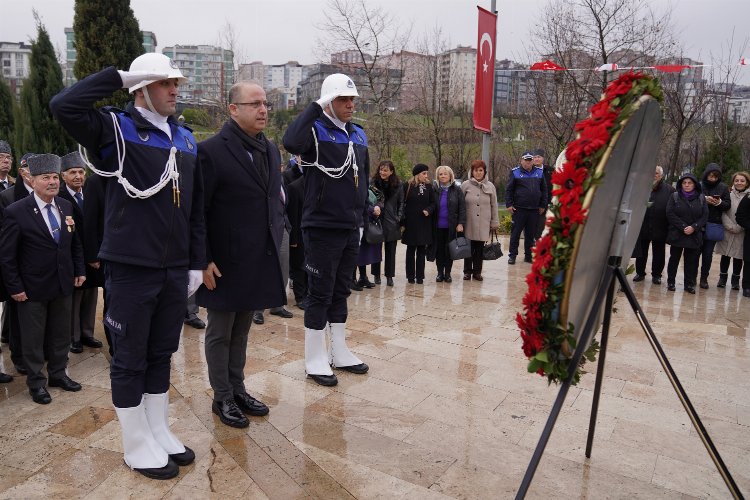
(326, 100)
(131, 78)
(195, 280)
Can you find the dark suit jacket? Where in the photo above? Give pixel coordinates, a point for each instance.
(245, 224)
(79, 219)
(11, 182)
(93, 220)
(30, 259)
(7, 196)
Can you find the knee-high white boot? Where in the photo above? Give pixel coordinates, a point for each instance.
(341, 357)
(142, 453)
(157, 413)
(316, 358)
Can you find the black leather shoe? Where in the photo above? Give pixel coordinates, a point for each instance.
(656, 280)
(196, 323)
(439, 278)
(250, 405)
(258, 318)
(411, 281)
(690, 289)
(420, 281)
(746, 292)
(478, 277)
(356, 286)
(91, 342)
(167, 472)
(359, 369)
(301, 305)
(377, 280)
(21, 370)
(365, 283)
(704, 283)
(76, 347)
(229, 413)
(187, 457)
(40, 395)
(389, 281)
(283, 313)
(527, 259)
(467, 276)
(65, 383)
(638, 277)
(671, 287)
(326, 380)
(5, 378)
(511, 260)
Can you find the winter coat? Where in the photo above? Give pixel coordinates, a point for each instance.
(456, 209)
(481, 209)
(719, 189)
(392, 210)
(526, 189)
(682, 212)
(743, 219)
(655, 223)
(417, 226)
(734, 234)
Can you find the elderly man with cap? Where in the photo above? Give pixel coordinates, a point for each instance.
(85, 297)
(336, 163)
(153, 247)
(42, 259)
(6, 161)
(526, 199)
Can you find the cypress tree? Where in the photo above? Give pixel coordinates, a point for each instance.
(106, 34)
(36, 130)
(7, 103)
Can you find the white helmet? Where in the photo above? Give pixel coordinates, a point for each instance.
(338, 84)
(155, 63)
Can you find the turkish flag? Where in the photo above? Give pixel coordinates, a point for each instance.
(484, 91)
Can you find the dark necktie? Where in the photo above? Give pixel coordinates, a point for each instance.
(79, 199)
(53, 223)
(5, 184)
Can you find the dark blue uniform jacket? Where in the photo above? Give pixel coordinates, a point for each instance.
(526, 189)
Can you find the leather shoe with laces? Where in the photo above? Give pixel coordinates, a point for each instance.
(91, 342)
(65, 383)
(5, 378)
(250, 405)
(40, 395)
(282, 312)
(229, 413)
(195, 322)
(76, 347)
(258, 318)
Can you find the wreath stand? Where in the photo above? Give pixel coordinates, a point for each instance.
(613, 273)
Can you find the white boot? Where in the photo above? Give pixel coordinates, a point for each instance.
(138, 443)
(157, 413)
(341, 356)
(316, 358)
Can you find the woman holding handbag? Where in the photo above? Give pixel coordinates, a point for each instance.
(387, 182)
(481, 216)
(450, 217)
(419, 206)
(730, 248)
(370, 250)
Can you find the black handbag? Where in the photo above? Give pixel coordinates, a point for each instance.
(492, 250)
(714, 231)
(460, 248)
(374, 232)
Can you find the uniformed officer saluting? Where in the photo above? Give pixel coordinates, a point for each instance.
(154, 242)
(336, 166)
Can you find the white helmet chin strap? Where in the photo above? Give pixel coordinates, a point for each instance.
(147, 98)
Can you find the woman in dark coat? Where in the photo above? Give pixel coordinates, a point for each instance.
(716, 194)
(449, 220)
(687, 214)
(743, 219)
(419, 206)
(386, 182)
(369, 253)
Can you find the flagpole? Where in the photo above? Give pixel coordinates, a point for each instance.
(488, 135)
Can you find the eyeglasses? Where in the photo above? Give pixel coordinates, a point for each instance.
(255, 104)
(5, 156)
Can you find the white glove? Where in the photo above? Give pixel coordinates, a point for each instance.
(195, 280)
(130, 78)
(361, 232)
(326, 100)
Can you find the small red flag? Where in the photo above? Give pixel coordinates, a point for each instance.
(484, 92)
(672, 68)
(546, 66)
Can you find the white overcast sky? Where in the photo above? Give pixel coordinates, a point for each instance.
(276, 31)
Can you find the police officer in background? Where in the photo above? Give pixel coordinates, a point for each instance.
(154, 242)
(336, 166)
(526, 199)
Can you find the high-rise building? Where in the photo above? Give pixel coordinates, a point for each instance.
(149, 45)
(282, 79)
(14, 60)
(210, 71)
(457, 76)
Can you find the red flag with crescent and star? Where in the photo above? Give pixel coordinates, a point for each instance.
(483, 89)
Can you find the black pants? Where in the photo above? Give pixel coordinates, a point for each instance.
(297, 272)
(226, 348)
(473, 265)
(706, 255)
(330, 260)
(145, 315)
(389, 258)
(690, 266)
(14, 334)
(415, 257)
(524, 220)
(46, 334)
(443, 259)
(658, 249)
(724, 265)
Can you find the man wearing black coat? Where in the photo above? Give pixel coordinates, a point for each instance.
(84, 297)
(242, 190)
(526, 199)
(718, 201)
(654, 230)
(42, 260)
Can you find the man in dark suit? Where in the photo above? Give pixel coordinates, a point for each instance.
(11, 329)
(244, 231)
(42, 259)
(84, 297)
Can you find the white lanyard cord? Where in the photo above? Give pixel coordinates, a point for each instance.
(170, 169)
(335, 172)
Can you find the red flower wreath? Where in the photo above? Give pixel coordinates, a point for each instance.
(546, 342)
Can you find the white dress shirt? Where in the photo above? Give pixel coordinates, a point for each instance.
(55, 211)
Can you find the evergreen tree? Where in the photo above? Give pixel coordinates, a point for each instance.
(106, 34)
(36, 130)
(728, 157)
(7, 103)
